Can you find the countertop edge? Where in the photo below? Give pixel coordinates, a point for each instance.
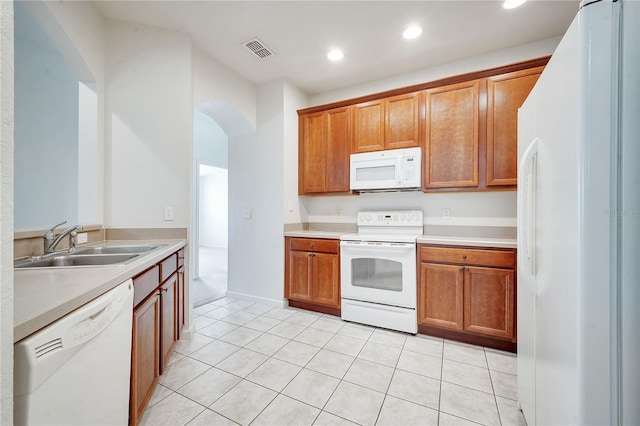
(328, 235)
(468, 241)
(26, 283)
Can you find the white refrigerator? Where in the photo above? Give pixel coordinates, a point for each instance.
(579, 226)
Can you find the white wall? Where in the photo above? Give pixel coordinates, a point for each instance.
(256, 248)
(46, 129)
(149, 126)
(6, 212)
(293, 208)
(223, 94)
(214, 207)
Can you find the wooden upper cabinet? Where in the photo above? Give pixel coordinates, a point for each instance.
(401, 125)
(312, 153)
(324, 151)
(451, 136)
(368, 126)
(389, 123)
(505, 94)
(337, 156)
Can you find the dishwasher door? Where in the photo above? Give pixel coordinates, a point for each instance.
(77, 369)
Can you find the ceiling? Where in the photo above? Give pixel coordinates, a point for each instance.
(369, 32)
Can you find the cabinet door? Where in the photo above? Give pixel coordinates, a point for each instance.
(505, 94)
(145, 367)
(326, 279)
(180, 303)
(368, 126)
(299, 276)
(489, 300)
(401, 121)
(168, 319)
(337, 132)
(440, 295)
(312, 154)
(451, 136)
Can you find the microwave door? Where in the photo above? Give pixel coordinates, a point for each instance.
(375, 173)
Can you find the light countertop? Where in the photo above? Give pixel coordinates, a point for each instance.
(43, 295)
(316, 234)
(423, 239)
(468, 241)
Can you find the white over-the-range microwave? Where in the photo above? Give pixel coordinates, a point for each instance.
(395, 169)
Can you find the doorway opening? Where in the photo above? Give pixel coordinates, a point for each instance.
(211, 210)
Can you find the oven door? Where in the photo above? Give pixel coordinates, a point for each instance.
(379, 272)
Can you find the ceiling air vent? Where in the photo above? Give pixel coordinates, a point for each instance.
(258, 48)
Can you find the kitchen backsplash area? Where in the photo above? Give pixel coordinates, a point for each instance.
(453, 213)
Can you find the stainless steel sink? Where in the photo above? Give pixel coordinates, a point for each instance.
(76, 259)
(116, 249)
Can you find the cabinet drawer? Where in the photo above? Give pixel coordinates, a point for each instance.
(168, 266)
(468, 256)
(145, 283)
(317, 245)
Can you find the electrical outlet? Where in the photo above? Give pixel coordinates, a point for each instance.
(446, 213)
(83, 237)
(338, 213)
(168, 213)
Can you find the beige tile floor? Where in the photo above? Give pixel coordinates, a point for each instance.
(253, 364)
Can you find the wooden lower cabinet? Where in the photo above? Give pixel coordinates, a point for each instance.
(468, 294)
(168, 313)
(312, 273)
(440, 293)
(158, 316)
(489, 302)
(145, 363)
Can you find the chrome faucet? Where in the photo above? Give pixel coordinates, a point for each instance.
(51, 242)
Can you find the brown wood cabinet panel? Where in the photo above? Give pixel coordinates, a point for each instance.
(299, 276)
(489, 301)
(326, 279)
(315, 245)
(168, 267)
(469, 256)
(440, 296)
(168, 298)
(338, 122)
(401, 125)
(368, 126)
(312, 153)
(452, 136)
(180, 303)
(145, 283)
(145, 363)
(505, 94)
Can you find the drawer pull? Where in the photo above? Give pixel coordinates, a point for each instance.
(461, 269)
(464, 257)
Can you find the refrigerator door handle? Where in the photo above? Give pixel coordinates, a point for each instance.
(526, 213)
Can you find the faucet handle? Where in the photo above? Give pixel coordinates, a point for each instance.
(50, 231)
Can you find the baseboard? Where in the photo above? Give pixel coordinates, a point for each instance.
(187, 332)
(256, 299)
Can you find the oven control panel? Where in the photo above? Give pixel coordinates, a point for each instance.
(390, 218)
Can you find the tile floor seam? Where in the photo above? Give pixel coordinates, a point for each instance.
(341, 380)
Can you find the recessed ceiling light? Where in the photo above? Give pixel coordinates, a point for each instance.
(512, 4)
(335, 54)
(412, 32)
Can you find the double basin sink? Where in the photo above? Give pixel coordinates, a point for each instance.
(88, 256)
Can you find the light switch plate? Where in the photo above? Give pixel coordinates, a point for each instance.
(446, 213)
(168, 213)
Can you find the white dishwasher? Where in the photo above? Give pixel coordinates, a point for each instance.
(77, 369)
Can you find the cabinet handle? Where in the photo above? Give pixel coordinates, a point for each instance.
(313, 244)
(461, 269)
(464, 257)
